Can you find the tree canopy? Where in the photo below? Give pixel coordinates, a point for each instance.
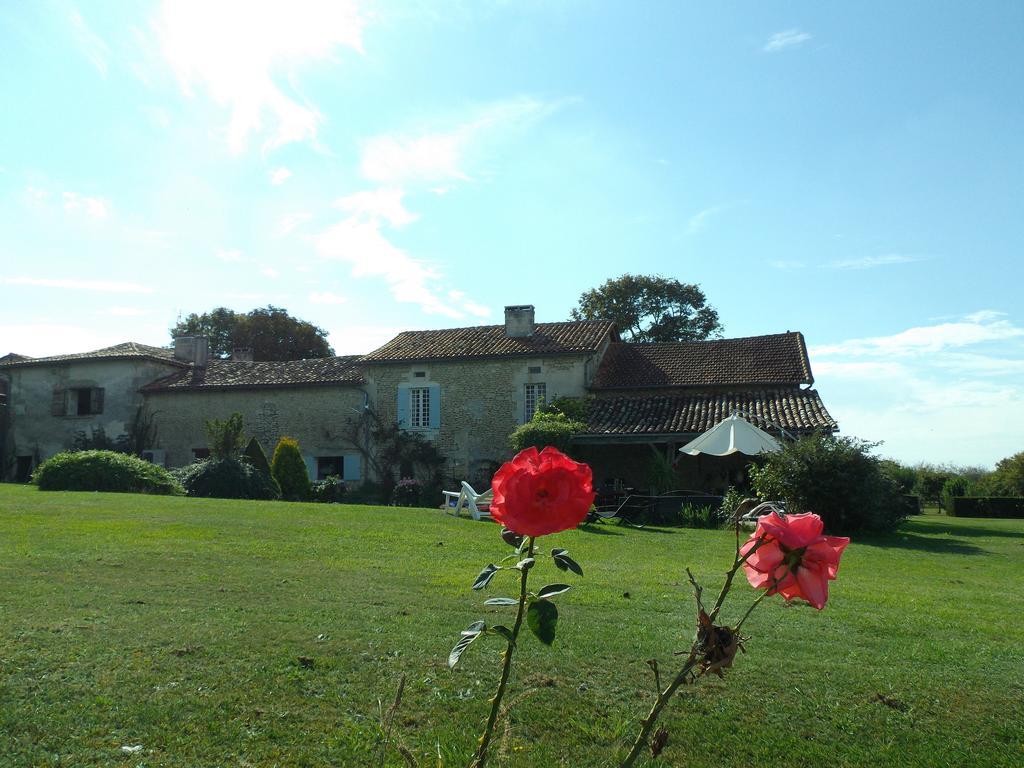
(651, 308)
(270, 332)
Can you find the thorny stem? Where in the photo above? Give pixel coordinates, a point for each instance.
(480, 760)
(647, 724)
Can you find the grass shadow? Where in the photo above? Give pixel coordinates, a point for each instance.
(936, 527)
(906, 540)
(598, 528)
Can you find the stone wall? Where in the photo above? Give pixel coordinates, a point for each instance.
(315, 416)
(33, 429)
(482, 401)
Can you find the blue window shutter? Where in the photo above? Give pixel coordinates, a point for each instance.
(435, 406)
(352, 467)
(403, 406)
(310, 467)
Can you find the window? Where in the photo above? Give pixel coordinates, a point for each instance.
(330, 465)
(87, 401)
(533, 398)
(419, 408)
(198, 454)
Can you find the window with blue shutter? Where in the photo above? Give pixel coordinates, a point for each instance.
(352, 467)
(435, 406)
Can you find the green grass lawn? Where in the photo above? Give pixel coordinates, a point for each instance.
(179, 624)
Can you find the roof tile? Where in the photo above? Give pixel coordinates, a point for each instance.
(753, 360)
(231, 374)
(580, 337)
(125, 351)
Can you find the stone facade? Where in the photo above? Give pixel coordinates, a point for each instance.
(315, 416)
(481, 401)
(43, 411)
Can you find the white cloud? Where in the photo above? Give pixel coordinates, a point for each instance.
(382, 203)
(359, 242)
(290, 221)
(471, 307)
(92, 45)
(786, 39)
(93, 207)
(232, 256)
(440, 156)
(928, 339)
(45, 339)
(868, 262)
(326, 297)
(100, 286)
(279, 176)
(270, 272)
(233, 48)
(351, 339)
(948, 392)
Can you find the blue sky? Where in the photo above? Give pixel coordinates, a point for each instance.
(850, 171)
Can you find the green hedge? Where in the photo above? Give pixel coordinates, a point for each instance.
(226, 479)
(988, 506)
(104, 471)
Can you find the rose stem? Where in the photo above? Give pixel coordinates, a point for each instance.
(691, 661)
(481, 754)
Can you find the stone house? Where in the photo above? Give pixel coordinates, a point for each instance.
(463, 389)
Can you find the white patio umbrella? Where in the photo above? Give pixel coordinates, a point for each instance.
(732, 435)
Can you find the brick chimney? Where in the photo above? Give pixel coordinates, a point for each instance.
(192, 349)
(241, 354)
(519, 320)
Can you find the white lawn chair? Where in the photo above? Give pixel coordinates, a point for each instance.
(469, 500)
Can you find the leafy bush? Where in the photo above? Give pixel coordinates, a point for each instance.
(953, 487)
(225, 437)
(226, 479)
(330, 490)
(836, 477)
(289, 470)
(104, 471)
(1008, 477)
(408, 492)
(679, 511)
(905, 477)
(545, 429)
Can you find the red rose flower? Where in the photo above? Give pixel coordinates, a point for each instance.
(543, 492)
(795, 560)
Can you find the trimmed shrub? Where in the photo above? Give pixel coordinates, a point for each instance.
(330, 490)
(289, 470)
(953, 487)
(104, 471)
(545, 429)
(836, 477)
(226, 479)
(1005, 507)
(255, 455)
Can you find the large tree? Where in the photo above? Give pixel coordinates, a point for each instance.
(270, 332)
(651, 308)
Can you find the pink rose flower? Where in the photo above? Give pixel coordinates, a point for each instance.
(796, 560)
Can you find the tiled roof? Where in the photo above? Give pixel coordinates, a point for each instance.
(780, 358)
(231, 374)
(13, 357)
(127, 351)
(486, 341)
(794, 409)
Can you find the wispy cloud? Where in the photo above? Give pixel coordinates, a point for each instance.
(233, 48)
(231, 256)
(326, 297)
(287, 223)
(279, 176)
(94, 207)
(699, 220)
(788, 38)
(101, 286)
(382, 203)
(972, 329)
(948, 391)
(270, 272)
(430, 157)
(870, 262)
(93, 47)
